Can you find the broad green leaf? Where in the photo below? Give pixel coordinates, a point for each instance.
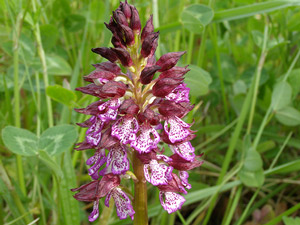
(281, 96)
(239, 87)
(288, 116)
(258, 38)
(253, 9)
(197, 80)
(291, 221)
(294, 80)
(252, 179)
(196, 17)
(58, 139)
(20, 141)
(57, 65)
(266, 146)
(74, 22)
(61, 94)
(253, 161)
(45, 158)
(49, 35)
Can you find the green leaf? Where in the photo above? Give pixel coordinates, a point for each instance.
(253, 161)
(291, 221)
(58, 139)
(198, 81)
(294, 80)
(49, 35)
(258, 38)
(252, 179)
(57, 65)
(196, 17)
(48, 161)
(20, 141)
(239, 87)
(74, 22)
(281, 96)
(253, 9)
(62, 95)
(288, 116)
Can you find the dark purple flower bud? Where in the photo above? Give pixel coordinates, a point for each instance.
(165, 86)
(169, 108)
(135, 22)
(117, 43)
(148, 28)
(152, 117)
(117, 32)
(83, 146)
(107, 53)
(126, 9)
(128, 33)
(102, 75)
(148, 73)
(183, 165)
(173, 185)
(151, 60)
(169, 60)
(91, 89)
(107, 140)
(175, 72)
(113, 89)
(123, 56)
(149, 45)
(129, 107)
(109, 66)
(91, 109)
(97, 189)
(120, 17)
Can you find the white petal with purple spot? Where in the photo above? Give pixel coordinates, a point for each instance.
(124, 128)
(185, 150)
(159, 173)
(178, 129)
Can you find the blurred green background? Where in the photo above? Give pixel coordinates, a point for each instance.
(244, 80)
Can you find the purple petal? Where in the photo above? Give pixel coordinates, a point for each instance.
(123, 204)
(178, 129)
(184, 179)
(185, 150)
(124, 128)
(95, 213)
(144, 143)
(160, 173)
(98, 159)
(171, 201)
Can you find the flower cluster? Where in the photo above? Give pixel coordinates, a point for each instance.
(141, 105)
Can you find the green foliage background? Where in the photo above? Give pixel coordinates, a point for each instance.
(244, 80)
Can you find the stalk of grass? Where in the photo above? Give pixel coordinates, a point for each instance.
(156, 24)
(214, 37)
(190, 48)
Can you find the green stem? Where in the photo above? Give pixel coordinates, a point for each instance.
(42, 56)
(140, 193)
(257, 78)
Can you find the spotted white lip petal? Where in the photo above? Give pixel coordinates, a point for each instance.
(185, 150)
(171, 201)
(93, 134)
(117, 162)
(123, 204)
(159, 173)
(143, 143)
(178, 129)
(124, 127)
(179, 94)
